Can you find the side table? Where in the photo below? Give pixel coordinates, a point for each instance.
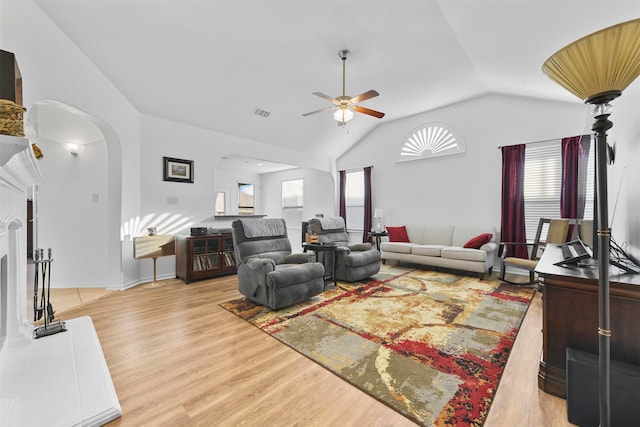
(378, 235)
(153, 247)
(324, 247)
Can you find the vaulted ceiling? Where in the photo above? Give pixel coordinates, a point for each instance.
(210, 63)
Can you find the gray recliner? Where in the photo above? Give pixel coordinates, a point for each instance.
(268, 273)
(352, 262)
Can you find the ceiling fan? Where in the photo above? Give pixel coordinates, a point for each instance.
(344, 105)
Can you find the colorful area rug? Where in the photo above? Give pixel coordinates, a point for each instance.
(430, 345)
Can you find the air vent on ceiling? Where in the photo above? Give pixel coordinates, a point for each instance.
(262, 113)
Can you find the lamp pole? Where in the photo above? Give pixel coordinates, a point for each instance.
(602, 124)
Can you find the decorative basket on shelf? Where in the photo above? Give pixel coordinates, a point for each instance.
(11, 118)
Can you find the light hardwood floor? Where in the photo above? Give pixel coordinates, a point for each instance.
(178, 359)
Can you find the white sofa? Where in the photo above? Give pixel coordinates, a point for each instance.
(443, 246)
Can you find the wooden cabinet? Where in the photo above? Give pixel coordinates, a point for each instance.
(10, 78)
(570, 317)
(203, 257)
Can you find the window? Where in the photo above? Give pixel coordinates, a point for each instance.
(430, 140)
(542, 182)
(292, 202)
(354, 200)
(245, 199)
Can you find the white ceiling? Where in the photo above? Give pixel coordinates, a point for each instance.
(209, 63)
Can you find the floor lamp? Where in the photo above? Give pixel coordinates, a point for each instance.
(597, 68)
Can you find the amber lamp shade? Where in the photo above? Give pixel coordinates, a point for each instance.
(602, 63)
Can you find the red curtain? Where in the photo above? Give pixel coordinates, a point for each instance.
(573, 192)
(342, 195)
(512, 227)
(367, 203)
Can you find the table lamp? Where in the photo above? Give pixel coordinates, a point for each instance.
(378, 214)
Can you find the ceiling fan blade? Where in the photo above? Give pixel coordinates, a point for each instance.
(327, 97)
(320, 111)
(368, 111)
(364, 96)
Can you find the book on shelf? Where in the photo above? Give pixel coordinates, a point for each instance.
(201, 262)
(229, 260)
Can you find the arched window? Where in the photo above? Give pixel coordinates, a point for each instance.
(430, 140)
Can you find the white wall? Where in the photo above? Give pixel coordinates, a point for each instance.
(196, 201)
(72, 198)
(462, 188)
(624, 174)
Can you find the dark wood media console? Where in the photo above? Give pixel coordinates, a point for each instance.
(204, 257)
(570, 317)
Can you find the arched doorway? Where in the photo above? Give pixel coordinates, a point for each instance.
(78, 203)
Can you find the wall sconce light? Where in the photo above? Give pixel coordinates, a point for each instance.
(72, 147)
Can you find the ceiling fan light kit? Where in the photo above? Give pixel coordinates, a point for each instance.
(344, 106)
(343, 115)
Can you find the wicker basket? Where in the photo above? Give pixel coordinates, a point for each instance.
(11, 118)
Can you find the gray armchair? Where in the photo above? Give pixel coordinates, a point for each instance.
(268, 273)
(353, 262)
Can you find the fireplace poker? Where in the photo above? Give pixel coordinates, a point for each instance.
(43, 265)
(50, 312)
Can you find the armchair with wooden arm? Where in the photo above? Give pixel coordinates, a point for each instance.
(557, 232)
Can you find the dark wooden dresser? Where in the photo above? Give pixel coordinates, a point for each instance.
(570, 317)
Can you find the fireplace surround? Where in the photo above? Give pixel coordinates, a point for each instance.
(61, 379)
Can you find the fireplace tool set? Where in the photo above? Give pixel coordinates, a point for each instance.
(42, 307)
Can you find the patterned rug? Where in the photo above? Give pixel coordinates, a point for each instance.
(430, 345)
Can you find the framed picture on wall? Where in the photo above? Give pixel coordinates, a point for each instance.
(177, 170)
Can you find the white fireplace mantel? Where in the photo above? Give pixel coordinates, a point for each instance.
(19, 173)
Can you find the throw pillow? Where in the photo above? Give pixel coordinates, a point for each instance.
(476, 242)
(398, 234)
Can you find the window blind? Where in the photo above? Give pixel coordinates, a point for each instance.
(354, 200)
(543, 181)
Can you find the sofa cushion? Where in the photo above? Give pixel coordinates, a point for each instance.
(463, 254)
(463, 233)
(428, 250)
(399, 247)
(398, 234)
(477, 241)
